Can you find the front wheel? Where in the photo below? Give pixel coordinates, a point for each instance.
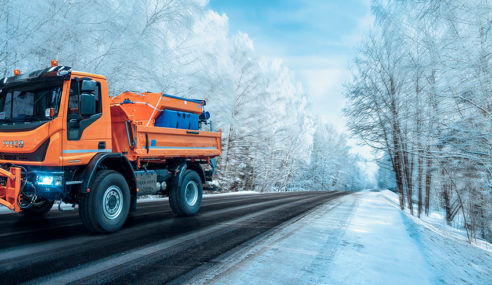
(185, 199)
(105, 208)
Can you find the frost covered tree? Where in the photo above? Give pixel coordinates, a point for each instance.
(332, 166)
(181, 48)
(421, 92)
(386, 175)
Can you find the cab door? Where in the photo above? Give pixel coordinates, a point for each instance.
(87, 130)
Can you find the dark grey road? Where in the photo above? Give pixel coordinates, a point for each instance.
(154, 247)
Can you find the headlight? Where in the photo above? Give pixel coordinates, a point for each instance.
(49, 180)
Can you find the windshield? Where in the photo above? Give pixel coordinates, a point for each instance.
(30, 102)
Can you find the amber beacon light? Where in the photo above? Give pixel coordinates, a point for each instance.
(54, 62)
(17, 72)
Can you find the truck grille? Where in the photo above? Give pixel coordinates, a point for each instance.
(37, 155)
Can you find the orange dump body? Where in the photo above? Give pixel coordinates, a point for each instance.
(134, 133)
(146, 106)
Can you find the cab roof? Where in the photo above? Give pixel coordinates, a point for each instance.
(44, 75)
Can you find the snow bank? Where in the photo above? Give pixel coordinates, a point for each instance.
(437, 223)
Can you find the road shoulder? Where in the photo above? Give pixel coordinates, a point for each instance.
(361, 239)
(284, 254)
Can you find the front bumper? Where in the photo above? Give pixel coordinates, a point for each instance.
(10, 191)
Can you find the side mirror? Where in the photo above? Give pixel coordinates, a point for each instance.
(88, 86)
(87, 104)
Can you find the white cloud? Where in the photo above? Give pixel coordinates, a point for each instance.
(323, 78)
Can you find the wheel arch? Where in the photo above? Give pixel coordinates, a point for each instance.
(113, 161)
(197, 168)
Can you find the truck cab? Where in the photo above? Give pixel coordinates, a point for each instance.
(62, 136)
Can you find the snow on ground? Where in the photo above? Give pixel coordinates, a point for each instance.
(436, 223)
(363, 240)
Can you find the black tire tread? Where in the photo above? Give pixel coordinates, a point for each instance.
(173, 196)
(87, 203)
(175, 193)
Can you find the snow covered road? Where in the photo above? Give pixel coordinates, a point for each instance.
(364, 239)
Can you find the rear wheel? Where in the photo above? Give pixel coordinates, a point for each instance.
(38, 208)
(186, 199)
(105, 208)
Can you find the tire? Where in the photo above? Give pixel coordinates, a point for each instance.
(173, 202)
(39, 208)
(186, 199)
(105, 208)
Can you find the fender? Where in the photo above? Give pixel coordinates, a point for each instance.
(180, 170)
(198, 169)
(114, 161)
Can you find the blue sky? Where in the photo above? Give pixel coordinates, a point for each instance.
(293, 27)
(316, 39)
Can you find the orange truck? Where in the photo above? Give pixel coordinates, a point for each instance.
(63, 138)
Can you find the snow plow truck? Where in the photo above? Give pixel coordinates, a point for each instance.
(63, 138)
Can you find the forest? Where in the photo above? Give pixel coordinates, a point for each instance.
(270, 141)
(421, 94)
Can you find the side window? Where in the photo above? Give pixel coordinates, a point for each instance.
(76, 120)
(74, 98)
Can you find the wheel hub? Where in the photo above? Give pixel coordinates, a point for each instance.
(112, 202)
(191, 193)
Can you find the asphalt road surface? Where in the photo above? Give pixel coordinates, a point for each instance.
(154, 247)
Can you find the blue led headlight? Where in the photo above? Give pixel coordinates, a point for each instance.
(49, 180)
